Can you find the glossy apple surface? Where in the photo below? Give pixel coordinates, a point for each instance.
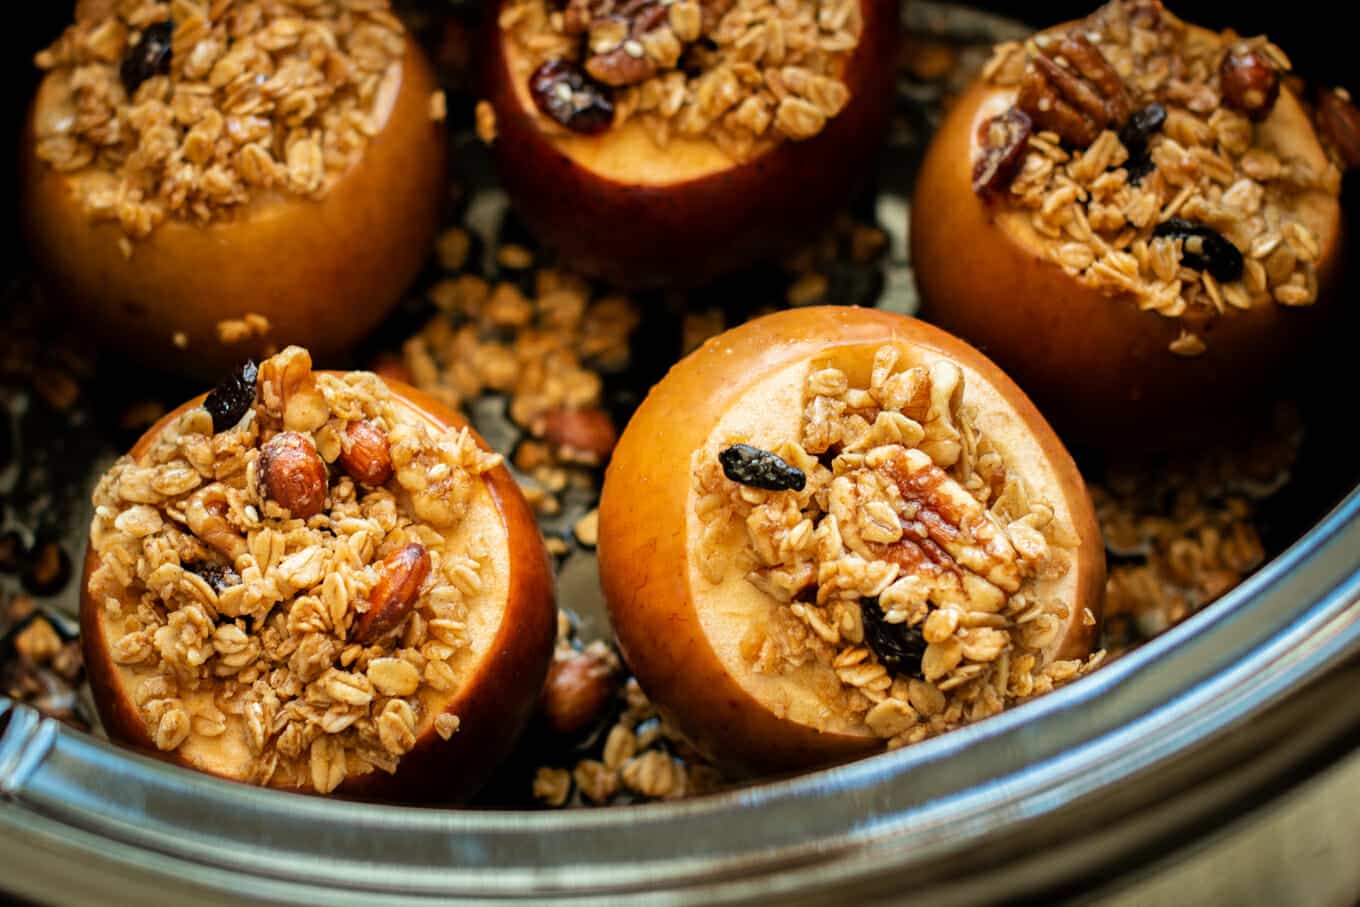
(681, 634)
(324, 272)
(511, 632)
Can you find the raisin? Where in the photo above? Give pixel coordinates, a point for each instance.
(1135, 134)
(150, 56)
(563, 92)
(899, 647)
(229, 401)
(219, 576)
(1003, 140)
(758, 468)
(1203, 249)
(1250, 82)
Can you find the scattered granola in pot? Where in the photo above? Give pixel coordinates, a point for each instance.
(1149, 173)
(746, 74)
(304, 596)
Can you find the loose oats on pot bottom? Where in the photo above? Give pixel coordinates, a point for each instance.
(874, 537)
(316, 581)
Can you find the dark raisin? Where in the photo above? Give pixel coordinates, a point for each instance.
(1135, 135)
(230, 400)
(219, 576)
(1250, 82)
(1203, 249)
(1002, 141)
(758, 468)
(150, 56)
(564, 93)
(899, 647)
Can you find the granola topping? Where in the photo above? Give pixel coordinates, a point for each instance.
(190, 110)
(321, 642)
(746, 74)
(1141, 122)
(913, 563)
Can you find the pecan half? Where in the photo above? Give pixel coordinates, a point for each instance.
(394, 595)
(1071, 89)
(627, 49)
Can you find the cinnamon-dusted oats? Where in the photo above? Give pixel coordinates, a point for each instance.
(319, 641)
(249, 97)
(1144, 130)
(746, 74)
(912, 561)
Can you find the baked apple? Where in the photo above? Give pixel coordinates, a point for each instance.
(835, 529)
(203, 191)
(1134, 217)
(317, 581)
(663, 143)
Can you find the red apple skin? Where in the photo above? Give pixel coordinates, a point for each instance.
(325, 273)
(643, 549)
(1098, 367)
(686, 233)
(494, 703)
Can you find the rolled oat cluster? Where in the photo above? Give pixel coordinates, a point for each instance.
(295, 580)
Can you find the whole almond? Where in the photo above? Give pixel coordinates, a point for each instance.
(1338, 121)
(577, 691)
(393, 596)
(293, 474)
(366, 456)
(587, 435)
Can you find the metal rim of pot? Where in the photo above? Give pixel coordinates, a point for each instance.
(1164, 742)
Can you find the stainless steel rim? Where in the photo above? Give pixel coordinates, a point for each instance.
(1148, 736)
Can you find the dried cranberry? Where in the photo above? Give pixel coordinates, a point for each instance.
(219, 576)
(1003, 140)
(1204, 248)
(562, 91)
(150, 56)
(899, 647)
(1134, 135)
(758, 468)
(1250, 82)
(230, 400)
